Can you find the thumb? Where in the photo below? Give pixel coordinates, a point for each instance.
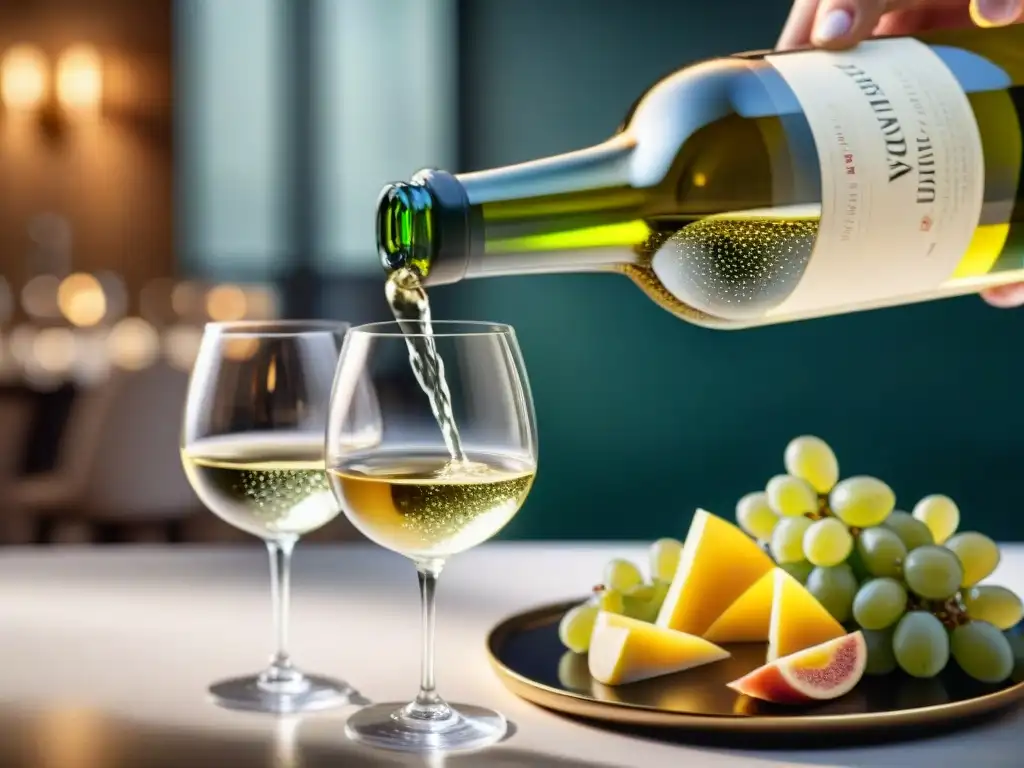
(996, 13)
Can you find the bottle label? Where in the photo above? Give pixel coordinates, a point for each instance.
(902, 172)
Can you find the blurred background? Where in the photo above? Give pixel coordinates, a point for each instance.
(168, 162)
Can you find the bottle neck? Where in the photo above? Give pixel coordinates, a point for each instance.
(570, 213)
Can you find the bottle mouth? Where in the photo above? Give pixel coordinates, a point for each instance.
(424, 225)
(405, 227)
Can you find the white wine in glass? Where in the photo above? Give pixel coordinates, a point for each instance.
(267, 484)
(455, 461)
(253, 450)
(425, 506)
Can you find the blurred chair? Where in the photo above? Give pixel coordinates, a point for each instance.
(118, 473)
(15, 417)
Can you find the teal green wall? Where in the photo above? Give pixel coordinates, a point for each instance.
(643, 417)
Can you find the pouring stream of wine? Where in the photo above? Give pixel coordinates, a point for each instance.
(409, 303)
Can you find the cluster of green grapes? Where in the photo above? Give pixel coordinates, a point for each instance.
(907, 580)
(624, 591)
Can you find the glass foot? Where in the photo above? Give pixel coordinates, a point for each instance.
(307, 693)
(386, 726)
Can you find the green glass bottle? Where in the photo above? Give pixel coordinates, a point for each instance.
(762, 187)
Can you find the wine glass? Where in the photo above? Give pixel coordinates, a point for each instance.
(455, 460)
(253, 449)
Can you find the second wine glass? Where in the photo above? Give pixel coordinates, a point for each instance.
(453, 461)
(253, 450)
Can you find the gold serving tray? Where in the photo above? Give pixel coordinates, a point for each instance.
(530, 660)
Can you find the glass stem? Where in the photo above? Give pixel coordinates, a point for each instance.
(428, 705)
(280, 673)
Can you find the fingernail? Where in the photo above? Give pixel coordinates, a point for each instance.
(995, 13)
(835, 24)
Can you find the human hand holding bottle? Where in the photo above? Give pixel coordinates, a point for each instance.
(842, 23)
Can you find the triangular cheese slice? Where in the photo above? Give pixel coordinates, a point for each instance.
(625, 650)
(798, 620)
(748, 619)
(719, 562)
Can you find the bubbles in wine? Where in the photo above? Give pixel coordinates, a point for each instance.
(267, 488)
(426, 505)
(734, 267)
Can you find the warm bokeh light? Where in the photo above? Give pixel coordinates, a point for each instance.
(225, 303)
(23, 77)
(81, 300)
(21, 342)
(73, 737)
(181, 345)
(54, 350)
(242, 348)
(80, 78)
(133, 344)
(92, 361)
(39, 297)
(186, 300)
(262, 303)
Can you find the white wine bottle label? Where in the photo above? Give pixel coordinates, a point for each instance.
(902, 172)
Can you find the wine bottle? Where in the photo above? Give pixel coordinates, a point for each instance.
(762, 187)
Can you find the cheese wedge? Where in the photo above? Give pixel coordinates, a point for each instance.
(719, 562)
(749, 618)
(798, 620)
(625, 650)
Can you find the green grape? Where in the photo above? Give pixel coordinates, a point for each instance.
(879, 603)
(996, 605)
(755, 516)
(664, 558)
(622, 575)
(882, 551)
(856, 563)
(834, 588)
(912, 532)
(799, 570)
(881, 660)
(643, 592)
(933, 572)
(810, 458)
(920, 644)
(982, 651)
(576, 626)
(827, 542)
(787, 543)
(862, 501)
(660, 591)
(978, 554)
(941, 515)
(640, 610)
(611, 601)
(790, 496)
(644, 601)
